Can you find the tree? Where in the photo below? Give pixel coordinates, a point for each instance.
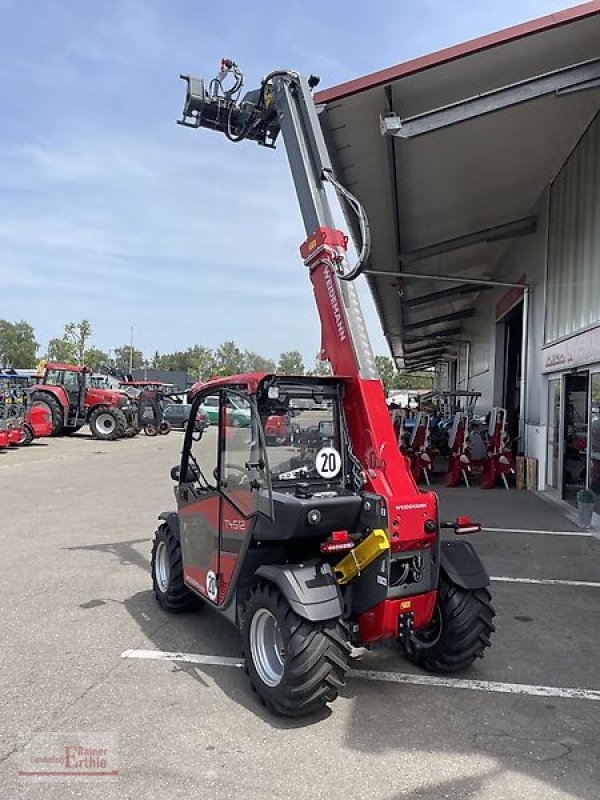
(126, 358)
(197, 361)
(291, 363)
(229, 359)
(321, 367)
(387, 373)
(17, 345)
(255, 363)
(70, 348)
(61, 351)
(401, 379)
(95, 358)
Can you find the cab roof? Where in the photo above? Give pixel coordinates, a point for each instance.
(251, 381)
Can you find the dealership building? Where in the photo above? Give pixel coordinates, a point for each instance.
(479, 168)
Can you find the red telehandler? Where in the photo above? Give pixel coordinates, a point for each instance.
(311, 548)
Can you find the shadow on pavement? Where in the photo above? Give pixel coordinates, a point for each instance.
(205, 631)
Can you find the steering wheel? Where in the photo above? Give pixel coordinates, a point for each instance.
(244, 479)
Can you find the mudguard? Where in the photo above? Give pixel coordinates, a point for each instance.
(310, 589)
(462, 565)
(172, 520)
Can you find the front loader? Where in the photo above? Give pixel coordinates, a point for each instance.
(325, 542)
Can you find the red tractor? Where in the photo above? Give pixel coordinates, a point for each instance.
(67, 392)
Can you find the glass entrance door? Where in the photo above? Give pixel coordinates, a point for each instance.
(553, 459)
(575, 434)
(594, 460)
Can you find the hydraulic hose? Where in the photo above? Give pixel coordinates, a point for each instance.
(365, 230)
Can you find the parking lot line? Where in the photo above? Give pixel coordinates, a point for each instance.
(546, 581)
(541, 533)
(190, 658)
(494, 687)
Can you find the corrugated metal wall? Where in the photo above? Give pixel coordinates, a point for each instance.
(573, 285)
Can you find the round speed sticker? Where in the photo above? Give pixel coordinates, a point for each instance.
(212, 589)
(328, 462)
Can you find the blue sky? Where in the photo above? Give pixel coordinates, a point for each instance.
(111, 212)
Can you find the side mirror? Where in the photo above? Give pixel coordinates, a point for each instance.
(175, 473)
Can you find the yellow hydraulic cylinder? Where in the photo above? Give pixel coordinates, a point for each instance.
(361, 556)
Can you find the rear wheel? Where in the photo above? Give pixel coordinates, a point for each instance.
(107, 423)
(167, 573)
(459, 632)
(150, 430)
(164, 427)
(295, 666)
(54, 408)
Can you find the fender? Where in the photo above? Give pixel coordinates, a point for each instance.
(172, 520)
(310, 589)
(462, 566)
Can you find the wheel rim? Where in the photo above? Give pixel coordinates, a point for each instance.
(161, 567)
(266, 647)
(106, 423)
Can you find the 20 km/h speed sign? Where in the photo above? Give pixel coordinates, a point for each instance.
(328, 462)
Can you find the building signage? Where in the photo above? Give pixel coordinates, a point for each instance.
(579, 350)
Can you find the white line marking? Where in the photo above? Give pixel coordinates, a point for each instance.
(542, 533)
(190, 658)
(391, 677)
(546, 582)
(477, 686)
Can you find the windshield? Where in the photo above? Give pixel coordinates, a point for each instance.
(303, 441)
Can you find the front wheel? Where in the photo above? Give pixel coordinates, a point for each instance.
(167, 573)
(295, 666)
(107, 423)
(459, 632)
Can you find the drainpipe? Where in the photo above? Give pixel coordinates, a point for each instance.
(524, 353)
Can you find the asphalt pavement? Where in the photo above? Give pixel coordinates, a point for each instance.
(77, 518)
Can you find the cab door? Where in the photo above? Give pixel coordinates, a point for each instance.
(222, 486)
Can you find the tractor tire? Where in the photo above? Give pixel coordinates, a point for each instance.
(27, 436)
(459, 633)
(54, 408)
(164, 428)
(167, 574)
(107, 423)
(132, 431)
(295, 666)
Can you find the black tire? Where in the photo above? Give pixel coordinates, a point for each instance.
(150, 430)
(315, 655)
(99, 423)
(27, 436)
(55, 409)
(173, 596)
(460, 631)
(164, 427)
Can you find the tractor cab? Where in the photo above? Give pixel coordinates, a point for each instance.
(74, 381)
(242, 497)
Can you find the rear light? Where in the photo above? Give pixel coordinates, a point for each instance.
(338, 543)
